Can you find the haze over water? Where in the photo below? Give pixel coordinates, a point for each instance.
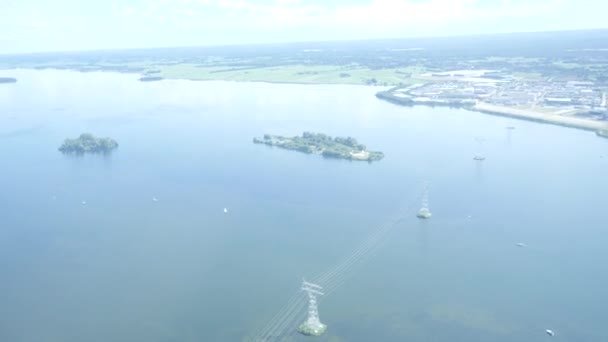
(123, 267)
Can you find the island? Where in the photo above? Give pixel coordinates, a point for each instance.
(88, 143)
(8, 80)
(150, 78)
(322, 144)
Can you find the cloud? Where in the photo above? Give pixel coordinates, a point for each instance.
(210, 22)
(375, 14)
(128, 11)
(70, 24)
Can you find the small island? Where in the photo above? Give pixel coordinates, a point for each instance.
(8, 80)
(87, 143)
(150, 78)
(319, 143)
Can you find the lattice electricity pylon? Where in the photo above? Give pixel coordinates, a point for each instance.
(312, 325)
(425, 197)
(425, 212)
(479, 156)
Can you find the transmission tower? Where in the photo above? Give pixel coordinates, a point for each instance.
(312, 326)
(425, 212)
(479, 156)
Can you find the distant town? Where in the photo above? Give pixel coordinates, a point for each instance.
(580, 104)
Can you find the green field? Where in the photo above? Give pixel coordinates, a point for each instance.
(219, 70)
(320, 74)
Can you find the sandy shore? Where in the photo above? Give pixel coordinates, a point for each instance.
(568, 121)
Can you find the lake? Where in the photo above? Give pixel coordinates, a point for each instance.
(123, 267)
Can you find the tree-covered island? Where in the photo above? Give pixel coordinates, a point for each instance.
(87, 143)
(8, 80)
(150, 78)
(319, 143)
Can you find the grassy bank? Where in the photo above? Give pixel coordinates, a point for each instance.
(302, 74)
(223, 71)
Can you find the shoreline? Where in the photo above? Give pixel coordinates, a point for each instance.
(600, 128)
(564, 121)
(141, 75)
(271, 82)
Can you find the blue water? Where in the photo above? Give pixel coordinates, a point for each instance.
(125, 268)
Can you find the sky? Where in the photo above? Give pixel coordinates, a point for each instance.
(67, 25)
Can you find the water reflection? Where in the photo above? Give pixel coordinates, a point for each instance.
(185, 270)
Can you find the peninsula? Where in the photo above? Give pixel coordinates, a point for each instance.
(87, 143)
(8, 80)
(319, 143)
(568, 103)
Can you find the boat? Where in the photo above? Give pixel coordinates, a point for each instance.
(479, 158)
(550, 332)
(225, 210)
(424, 213)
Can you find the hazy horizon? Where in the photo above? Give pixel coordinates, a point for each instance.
(227, 45)
(174, 169)
(32, 26)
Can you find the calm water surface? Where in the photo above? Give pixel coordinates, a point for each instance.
(125, 268)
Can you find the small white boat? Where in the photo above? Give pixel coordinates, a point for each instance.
(521, 244)
(225, 210)
(154, 199)
(550, 332)
(83, 202)
(424, 213)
